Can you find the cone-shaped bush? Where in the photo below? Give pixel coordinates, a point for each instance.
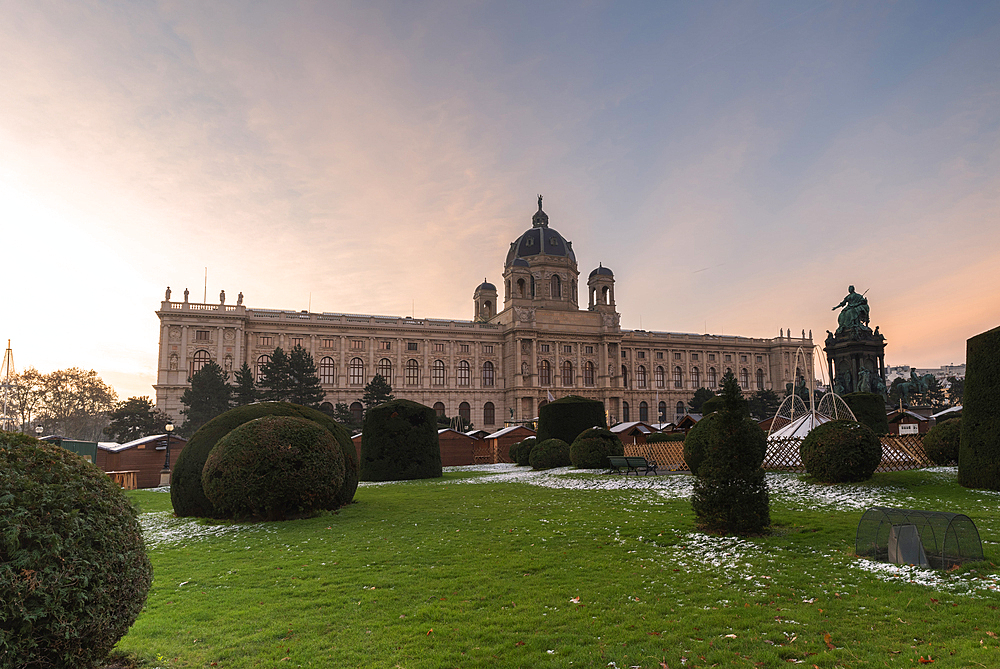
(591, 448)
(869, 409)
(841, 451)
(73, 567)
(569, 416)
(696, 441)
(399, 442)
(186, 492)
(730, 492)
(942, 441)
(273, 468)
(979, 451)
(548, 454)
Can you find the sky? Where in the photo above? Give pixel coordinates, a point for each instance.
(736, 164)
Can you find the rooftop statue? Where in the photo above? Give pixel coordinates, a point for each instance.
(855, 312)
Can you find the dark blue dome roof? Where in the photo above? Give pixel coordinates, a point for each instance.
(520, 262)
(601, 269)
(486, 285)
(540, 240)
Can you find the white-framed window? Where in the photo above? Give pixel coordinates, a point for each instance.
(356, 372)
(437, 372)
(464, 373)
(384, 369)
(489, 374)
(412, 372)
(327, 371)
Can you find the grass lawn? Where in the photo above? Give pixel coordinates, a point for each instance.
(513, 568)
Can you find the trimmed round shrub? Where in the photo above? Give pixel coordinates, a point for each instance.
(568, 416)
(549, 453)
(273, 468)
(869, 409)
(73, 567)
(186, 492)
(590, 450)
(663, 437)
(399, 442)
(941, 441)
(696, 442)
(841, 451)
(522, 451)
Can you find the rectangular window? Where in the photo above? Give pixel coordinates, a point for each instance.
(439, 347)
(327, 343)
(729, 358)
(487, 348)
(357, 345)
(385, 346)
(411, 346)
(567, 348)
(641, 355)
(694, 357)
(760, 359)
(623, 354)
(677, 356)
(711, 357)
(296, 341)
(743, 358)
(589, 349)
(265, 340)
(201, 335)
(659, 355)
(463, 348)
(544, 348)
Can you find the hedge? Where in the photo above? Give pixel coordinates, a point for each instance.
(273, 468)
(549, 453)
(186, 492)
(568, 416)
(591, 448)
(869, 409)
(941, 443)
(73, 567)
(399, 442)
(979, 449)
(841, 451)
(521, 451)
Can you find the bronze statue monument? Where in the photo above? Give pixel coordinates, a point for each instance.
(855, 353)
(855, 313)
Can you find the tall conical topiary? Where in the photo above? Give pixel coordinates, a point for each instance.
(730, 493)
(568, 416)
(399, 442)
(979, 448)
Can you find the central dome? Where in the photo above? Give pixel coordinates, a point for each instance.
(540, 239)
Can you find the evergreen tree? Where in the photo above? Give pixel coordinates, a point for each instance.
(306, 389)
(245, 391)
(378, 391)
(763, 404)
(135, 418)
(700, 397)
(276, 378)
(956, 389)
(342, 414)
(207, 397)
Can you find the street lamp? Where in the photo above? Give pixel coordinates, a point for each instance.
(166, 462)
(38, 431)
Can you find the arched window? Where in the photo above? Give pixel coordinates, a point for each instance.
(713, 378)
(678, 377)
(327, 408)
(201, 358)
(624, 376)
(695, 378)
(437, 373)
(356, 372)
(588, 373)
(567, 373)
(658, 376)
(760, 379)
(556, 287)
(439, 409)
(357, 412)
(327, 371)
(259, 367)
(661, 411)
(463, 373)
(465, 413)
(544, 373)
(520, 287)
(412, 372)
(489, 414)
(384, 369)
(626, 415)
(489, 375)
(679, 410)
(744, 378)
(487, 309)
(640, 377)
(643, 412)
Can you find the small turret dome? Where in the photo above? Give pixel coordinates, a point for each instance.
(602, 270)
(520, 262)
(486, 285)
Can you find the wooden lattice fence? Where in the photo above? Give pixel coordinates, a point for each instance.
(899, 453)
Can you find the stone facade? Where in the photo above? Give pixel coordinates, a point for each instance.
(498, 367)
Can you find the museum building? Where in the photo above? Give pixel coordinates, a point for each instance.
(500, 366)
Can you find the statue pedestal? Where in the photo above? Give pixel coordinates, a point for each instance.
(164, 477)
(856, 359)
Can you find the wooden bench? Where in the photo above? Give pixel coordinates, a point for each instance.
(631, 464)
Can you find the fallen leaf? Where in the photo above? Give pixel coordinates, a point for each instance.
(992, 634)
(730, 636)
(429, 631)
(829, 641)
(927, 661)
(519, 643)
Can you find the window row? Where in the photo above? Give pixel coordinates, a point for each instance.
(356, 375)
(464, 411)
(566, 373)
(711, 380)
(661, 412)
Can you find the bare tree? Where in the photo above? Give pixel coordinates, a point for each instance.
(76, 403)
(25, 398)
